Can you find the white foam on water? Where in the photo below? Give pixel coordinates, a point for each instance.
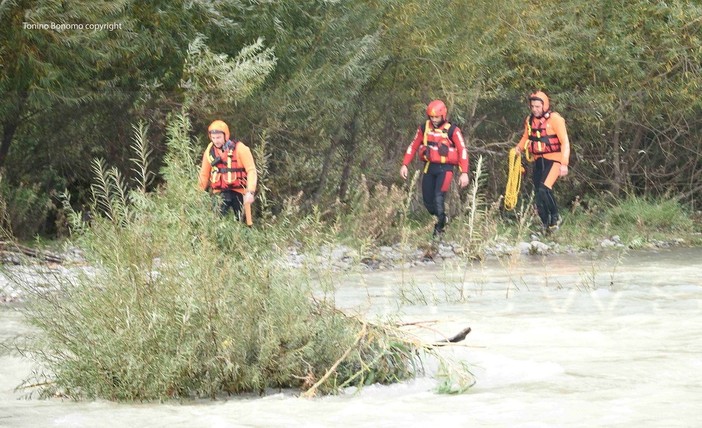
(614, 345)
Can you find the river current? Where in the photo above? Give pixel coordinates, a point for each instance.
(562, 340)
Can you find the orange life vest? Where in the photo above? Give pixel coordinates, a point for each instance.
(437, 146)
(226, 172)
(539, 141)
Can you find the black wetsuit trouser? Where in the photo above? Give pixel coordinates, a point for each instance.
(231, 200)
(545, 201)
(435, 184)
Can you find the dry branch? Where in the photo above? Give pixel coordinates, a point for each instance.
(455, 339)
(8, 249)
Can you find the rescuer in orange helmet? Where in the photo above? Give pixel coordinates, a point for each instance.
(545, 140)
(228, 170)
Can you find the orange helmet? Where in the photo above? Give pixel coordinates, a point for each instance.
(219, 125)
(437, 108)
(540, 96)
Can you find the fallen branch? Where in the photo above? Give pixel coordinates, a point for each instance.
(455, 339)
(313, 390)
(11, 248)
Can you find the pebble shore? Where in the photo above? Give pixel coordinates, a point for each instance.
(13, 270)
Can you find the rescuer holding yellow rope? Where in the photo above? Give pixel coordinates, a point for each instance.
(545, 141)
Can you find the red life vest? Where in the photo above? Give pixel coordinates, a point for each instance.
(226, 172)
(539, 141)
(438, 146)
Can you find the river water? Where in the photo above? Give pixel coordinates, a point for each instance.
(561, 340)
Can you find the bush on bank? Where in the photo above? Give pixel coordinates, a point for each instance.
(182, 303)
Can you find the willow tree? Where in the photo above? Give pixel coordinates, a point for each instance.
(75, 75)
(310, 107)
(352, 83)
(628, 75)
(50, 58)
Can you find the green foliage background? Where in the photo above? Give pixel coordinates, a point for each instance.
(336, 89)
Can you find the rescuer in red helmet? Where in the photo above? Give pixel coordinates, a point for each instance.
(440, 146)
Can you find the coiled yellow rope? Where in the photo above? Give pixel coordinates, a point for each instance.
(514, 180)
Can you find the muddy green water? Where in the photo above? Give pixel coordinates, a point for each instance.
(557, 341)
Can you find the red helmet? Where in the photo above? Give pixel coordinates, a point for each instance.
(221, 126)
(540, 96)
(437, 108)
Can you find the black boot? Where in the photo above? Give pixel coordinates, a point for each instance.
(440, 225)
(438, 231)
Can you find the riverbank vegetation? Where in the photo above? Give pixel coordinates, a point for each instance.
(182, 304)
(328, 95)
(335, 91)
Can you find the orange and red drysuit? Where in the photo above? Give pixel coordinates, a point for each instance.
(229, 171)
(441, 148)
(442, 145)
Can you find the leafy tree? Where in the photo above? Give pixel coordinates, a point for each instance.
(336, 89)
(70, 92)
(626, 74)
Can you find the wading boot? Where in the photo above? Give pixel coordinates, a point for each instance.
(438, 232)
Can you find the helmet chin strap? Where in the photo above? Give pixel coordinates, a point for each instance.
(436, 125)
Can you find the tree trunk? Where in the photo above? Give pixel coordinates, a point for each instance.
(344, 182)
(617, 179)
(9, 127)
(8, 132)
(325, 172)
(350, 148)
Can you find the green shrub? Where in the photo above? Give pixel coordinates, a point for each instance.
(24, 208)
(184, 303)
(665, 215)
(375, 215)
(636, 220)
